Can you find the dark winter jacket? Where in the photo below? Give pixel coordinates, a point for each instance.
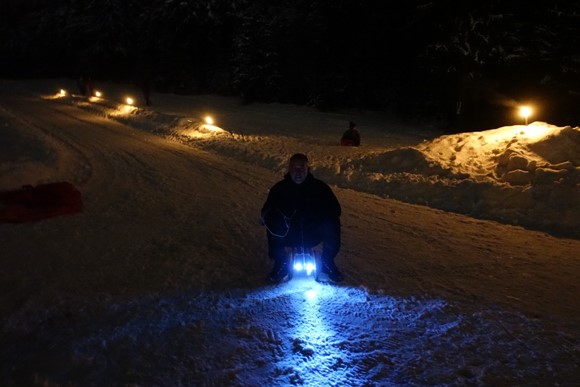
(304, 204)
(350, 137)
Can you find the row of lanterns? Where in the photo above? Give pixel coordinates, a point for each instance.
(99, 94)
(524, 111)
(130, 101)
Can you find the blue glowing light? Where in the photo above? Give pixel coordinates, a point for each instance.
(304, 263)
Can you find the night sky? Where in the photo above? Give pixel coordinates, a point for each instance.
(416, 59)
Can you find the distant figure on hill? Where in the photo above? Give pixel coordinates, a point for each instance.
(351, 137)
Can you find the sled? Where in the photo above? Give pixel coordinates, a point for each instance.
(30, 204)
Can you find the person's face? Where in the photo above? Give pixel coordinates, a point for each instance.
(298, 170)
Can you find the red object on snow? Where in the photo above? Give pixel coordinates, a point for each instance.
(30, 204)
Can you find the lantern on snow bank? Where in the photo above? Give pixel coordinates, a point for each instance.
(526, 111)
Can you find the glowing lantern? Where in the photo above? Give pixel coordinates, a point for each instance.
(525, 111)
(130, 101)
(98, 94)
(62, 92)
(209, 120)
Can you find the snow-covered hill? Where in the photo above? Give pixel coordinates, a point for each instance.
(160, 281)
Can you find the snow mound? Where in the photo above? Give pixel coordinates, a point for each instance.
(510, 154)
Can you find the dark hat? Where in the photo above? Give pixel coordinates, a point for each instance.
(351, 124)
(299, 157)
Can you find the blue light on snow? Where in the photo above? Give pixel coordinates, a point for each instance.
(310, 294)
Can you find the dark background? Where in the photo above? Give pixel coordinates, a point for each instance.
(461, 65)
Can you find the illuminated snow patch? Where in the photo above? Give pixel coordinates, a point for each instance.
(122, 110)
(310, 294)
(300, 332)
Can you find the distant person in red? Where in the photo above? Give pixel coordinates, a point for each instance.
(351, 137)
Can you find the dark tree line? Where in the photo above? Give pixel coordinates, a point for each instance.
(434, 59)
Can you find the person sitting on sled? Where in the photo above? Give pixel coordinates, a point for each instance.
(301, 211)
(351, 137)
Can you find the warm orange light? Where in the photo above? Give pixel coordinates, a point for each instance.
(209, 120)
(526, 111)
(130, 101)
(62, 92)
(98, 94)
